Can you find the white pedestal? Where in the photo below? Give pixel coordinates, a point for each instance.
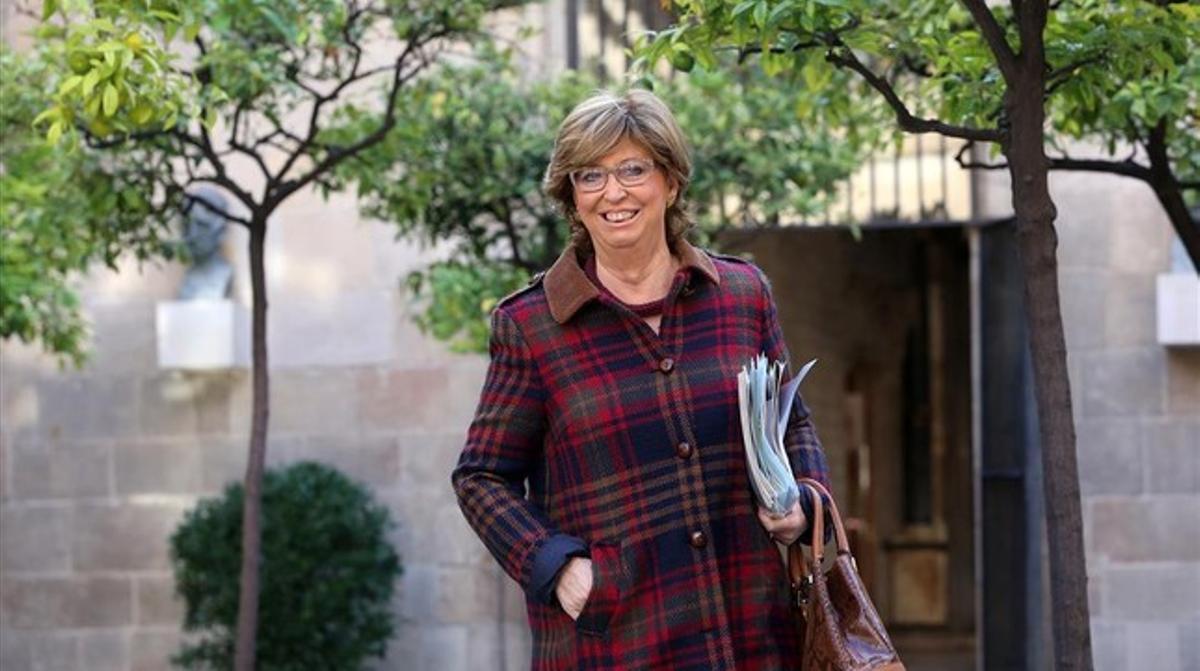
(1179, 309)
(203, 335)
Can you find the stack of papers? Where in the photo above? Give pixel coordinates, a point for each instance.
(765, 408)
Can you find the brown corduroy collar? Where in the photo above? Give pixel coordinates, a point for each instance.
(568, 287)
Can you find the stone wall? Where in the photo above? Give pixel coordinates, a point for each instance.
(97, 465)
(1137, 416)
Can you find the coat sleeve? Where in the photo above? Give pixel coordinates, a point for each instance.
(801, 440)
(503, 446)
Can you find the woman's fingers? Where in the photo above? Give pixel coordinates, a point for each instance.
(575, 585)
(786, 529)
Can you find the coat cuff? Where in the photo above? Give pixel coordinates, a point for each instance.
(550, 559)
(806, 504)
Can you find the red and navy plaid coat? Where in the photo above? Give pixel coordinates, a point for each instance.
(630, 445)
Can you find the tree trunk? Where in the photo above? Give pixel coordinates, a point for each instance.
(1166, 189)
(247, 621)
(1187, 228)
(1038, 242)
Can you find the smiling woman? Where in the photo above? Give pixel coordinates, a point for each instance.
(612, 396)
(627, 213)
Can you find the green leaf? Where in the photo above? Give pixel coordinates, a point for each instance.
(89, 82)
(743, 7)
(69, 84)
(110, 99)
(760, 13)
(142, 113)
(163, 15)
(55, 132)
(50, 113)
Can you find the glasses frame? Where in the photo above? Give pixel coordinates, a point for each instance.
(612, 172)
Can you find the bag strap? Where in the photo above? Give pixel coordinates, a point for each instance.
(843, 540)
(799, 571)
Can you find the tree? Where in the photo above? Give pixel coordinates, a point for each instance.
(60, 211)
(196, 88)
(473, 185)
(1120, 74)
(1124, 71)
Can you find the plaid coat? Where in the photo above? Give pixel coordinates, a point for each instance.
(630, 441)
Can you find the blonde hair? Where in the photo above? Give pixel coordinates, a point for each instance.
(600, 123)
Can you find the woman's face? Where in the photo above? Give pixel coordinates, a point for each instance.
(623, 216)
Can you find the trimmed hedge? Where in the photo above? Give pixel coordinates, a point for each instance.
(326, 578)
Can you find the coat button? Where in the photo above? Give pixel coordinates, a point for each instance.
(666, 365)
(698, 539)
(684, 450)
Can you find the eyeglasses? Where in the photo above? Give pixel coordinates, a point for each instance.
(629, 173)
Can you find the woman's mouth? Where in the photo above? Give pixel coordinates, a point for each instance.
(619, 216)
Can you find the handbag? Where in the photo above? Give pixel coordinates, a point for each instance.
(839, 628)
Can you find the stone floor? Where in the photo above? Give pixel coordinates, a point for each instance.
(930, 651)
(939, 661)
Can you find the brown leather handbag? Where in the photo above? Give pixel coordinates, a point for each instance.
(840, 629)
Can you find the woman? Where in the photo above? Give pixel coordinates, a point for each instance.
(612, 391)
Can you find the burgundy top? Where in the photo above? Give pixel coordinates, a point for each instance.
(643, 310)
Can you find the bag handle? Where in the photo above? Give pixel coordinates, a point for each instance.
(839, 529)
(798, 568)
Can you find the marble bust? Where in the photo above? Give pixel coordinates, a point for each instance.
(209, 275)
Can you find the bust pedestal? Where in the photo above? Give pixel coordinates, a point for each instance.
(1179, 309)
(203, 334)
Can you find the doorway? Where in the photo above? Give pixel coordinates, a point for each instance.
(889, 319)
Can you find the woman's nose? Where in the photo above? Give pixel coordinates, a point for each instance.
(613, 191)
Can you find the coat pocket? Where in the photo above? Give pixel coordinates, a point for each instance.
(606, 589)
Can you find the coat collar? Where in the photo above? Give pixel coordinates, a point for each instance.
(568, 287)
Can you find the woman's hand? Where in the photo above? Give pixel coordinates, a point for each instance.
(786, 529)
(574, 585)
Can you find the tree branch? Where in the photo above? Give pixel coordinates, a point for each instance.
(504, 213)
(993, 34)
(336, 155)
(827, 38)
(1059, 76)
(1125, 168)
(963, 162)
(193, 200)
(918, 68)
(94, 142)
(236, 145)
(221, 178)
(907, 121)
(321, 99)
(1169, 193)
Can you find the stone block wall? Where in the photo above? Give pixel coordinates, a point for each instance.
(98, 465)
(1137, 417)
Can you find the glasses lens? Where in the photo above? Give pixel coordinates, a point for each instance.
(590, 179)
(632, 173)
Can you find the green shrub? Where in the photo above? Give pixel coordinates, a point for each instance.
(326, 576)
